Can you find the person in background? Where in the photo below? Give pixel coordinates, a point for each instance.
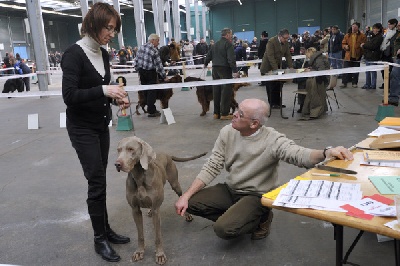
(22, 69)
(253, 49)
(240, 55)
(149, 65)
(335, 48)
(122, 55)
(210, 45)
(261, 51)
(175, 52)
(296, 45)
(250, 152)
(323, 43)
(201, 51)
(223, 60)
(352, 45)
(188, 49)
(372, 52)
(277, 48)
(395, 74)
(88, 95)
(387, 44)
(315, 101)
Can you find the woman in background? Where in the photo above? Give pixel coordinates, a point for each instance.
(88, 95)
(315, 101)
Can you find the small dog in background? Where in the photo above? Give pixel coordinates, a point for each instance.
(205, 94)
(162, 95)
(147, 175)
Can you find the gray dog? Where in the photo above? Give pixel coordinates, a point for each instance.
(147, 173)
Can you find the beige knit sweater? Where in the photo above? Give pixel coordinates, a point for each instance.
(252, 162)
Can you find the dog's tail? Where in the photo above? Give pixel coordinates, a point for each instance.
(177, 159)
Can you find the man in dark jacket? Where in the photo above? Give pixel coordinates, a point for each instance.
(335, 48)
(223, 60)
(395, 74)
(201, 51)
(261, 50)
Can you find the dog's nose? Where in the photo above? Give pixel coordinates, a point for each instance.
(118, 166)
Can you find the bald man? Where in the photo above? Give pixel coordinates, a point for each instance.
(250, 153)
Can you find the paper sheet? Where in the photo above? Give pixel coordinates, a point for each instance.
(382, 131)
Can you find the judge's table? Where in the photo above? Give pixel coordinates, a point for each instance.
(340, 219)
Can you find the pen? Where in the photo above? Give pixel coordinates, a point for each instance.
(325, 174)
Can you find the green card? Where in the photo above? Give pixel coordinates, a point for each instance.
(386, 184)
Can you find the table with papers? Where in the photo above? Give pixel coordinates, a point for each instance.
(340, 218)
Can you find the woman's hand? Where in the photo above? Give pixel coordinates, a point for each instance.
(116, 92)
(123, 103)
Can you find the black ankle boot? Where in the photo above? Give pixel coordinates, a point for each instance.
(104, 249)
(115, 238)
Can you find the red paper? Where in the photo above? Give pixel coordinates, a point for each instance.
(381, 198)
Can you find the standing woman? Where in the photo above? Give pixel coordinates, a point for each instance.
(88, 95)
(372, 52)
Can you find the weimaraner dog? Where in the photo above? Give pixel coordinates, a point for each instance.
(147, 173)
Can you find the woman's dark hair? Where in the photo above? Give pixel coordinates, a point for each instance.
(378, 26)
(98, 18)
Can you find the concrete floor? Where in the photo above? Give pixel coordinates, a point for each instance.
(43, 214)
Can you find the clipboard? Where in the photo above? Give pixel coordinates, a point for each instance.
(389, 141)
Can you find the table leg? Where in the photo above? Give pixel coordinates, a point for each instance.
(338, 236)
(280, 91)
(397, 251)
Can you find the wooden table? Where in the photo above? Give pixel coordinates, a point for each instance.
(338, 219)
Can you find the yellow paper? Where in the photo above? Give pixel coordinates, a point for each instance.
(273, 194)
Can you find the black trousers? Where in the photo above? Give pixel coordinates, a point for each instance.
(27, 81)
(148, 77)
(274, 92)
(222, 93)
(92, 147)
(350, 77)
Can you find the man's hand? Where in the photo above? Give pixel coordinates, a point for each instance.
(181, 205)
(339, 152)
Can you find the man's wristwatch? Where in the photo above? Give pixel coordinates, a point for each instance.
(327, 148)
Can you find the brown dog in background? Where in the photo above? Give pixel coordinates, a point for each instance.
(147, 175)
(162, 95)
(205, 94)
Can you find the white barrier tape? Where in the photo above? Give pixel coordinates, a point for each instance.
(5, 69)
(17, 76)
(127, 66)
(288, 76)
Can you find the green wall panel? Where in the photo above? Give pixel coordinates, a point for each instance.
(221, 18)
(334, 13)
(265, 16)
(309, 15)
(286, 14)
(243, 17)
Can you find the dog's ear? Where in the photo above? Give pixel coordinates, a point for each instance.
(147, 156)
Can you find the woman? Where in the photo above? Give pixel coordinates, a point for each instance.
(315, 101)
(372, 52)
(85, 89)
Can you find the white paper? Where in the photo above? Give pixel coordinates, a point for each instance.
(393, 224)
(383, 131)
(373, 207)
(318, 194)
(386, 164)
(167, 117)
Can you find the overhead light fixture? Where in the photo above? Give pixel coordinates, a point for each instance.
(240, 2)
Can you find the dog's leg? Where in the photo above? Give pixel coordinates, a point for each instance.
(161, 258)
(137, 109)
(138, 218)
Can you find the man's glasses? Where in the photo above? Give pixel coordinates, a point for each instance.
(111, 29)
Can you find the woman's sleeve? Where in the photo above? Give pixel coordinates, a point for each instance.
(72, 65)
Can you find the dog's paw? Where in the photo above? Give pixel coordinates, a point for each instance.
(188, 218)
(203, 114)
(138, 255)
(161, 258)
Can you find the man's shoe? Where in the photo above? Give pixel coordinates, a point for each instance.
(365, 87)
(344, 85)
(104, 249)
(226, 117)
(115, 238)
(154, 115)
(215, 116)
(264, 228)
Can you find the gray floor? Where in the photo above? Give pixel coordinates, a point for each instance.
(43, 214)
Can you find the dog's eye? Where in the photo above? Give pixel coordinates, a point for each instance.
(130, 149)
(119, 150)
